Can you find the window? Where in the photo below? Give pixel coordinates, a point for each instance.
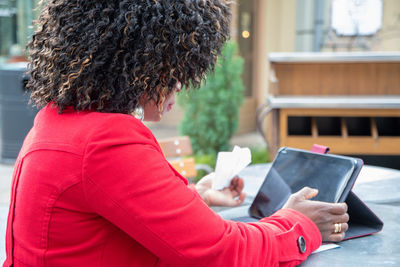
(16, 18)
(356, 17)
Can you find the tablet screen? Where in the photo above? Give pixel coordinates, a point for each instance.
(294, 169)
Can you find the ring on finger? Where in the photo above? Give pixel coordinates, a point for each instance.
(338, 228)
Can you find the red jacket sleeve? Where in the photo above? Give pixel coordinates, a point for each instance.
(128, 181)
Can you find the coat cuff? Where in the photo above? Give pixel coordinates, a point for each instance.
(296, 232)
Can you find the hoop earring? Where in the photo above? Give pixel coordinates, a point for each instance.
(138, 113)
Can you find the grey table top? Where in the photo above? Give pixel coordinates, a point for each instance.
(379, 188)
(381, 249)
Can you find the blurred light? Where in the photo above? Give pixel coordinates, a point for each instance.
(245, 34)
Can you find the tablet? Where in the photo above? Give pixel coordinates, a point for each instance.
(293, 169)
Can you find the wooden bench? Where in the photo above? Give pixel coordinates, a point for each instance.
(179, 153)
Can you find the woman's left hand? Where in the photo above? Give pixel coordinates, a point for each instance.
(229, 196)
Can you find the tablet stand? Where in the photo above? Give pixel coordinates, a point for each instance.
(363, 221)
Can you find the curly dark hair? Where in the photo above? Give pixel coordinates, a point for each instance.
(107, 54)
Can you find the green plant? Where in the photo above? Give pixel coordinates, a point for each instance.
(259, 155)
(211, 113)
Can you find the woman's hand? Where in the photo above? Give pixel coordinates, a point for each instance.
(330, 218)
(229, 196)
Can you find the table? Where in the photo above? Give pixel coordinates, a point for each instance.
(379, 188)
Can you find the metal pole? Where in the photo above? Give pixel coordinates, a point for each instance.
(318, 25)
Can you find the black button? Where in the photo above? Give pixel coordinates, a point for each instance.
(301, 242)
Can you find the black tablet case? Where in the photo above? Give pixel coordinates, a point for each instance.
(363, 221)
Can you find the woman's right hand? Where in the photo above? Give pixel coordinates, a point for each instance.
(325, 215)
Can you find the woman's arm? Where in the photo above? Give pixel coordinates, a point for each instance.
(128, 182)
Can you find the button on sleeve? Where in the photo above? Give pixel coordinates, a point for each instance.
(301, 242)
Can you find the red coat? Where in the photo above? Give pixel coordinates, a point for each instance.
(94, 189)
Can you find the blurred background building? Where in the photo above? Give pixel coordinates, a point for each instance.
(260, 27)
(264, 26)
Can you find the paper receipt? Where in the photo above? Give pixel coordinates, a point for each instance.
(230, 164)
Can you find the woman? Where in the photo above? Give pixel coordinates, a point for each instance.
(91, 186)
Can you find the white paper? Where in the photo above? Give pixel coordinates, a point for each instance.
(324, 247)
(230, 164)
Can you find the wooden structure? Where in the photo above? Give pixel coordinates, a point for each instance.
(178, 151)
(347, 101)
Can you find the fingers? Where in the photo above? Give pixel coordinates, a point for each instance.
(232, 202)
(327, 224)
(325, 215)
(237, 182)
(240, 199)
(331, 208)
(335, 235)
(306, 193)
(236, 186)
(334, 209)
(225, 197)
(338, 208)
(240, 184)
(335, 228)
(343, 218)
(333, 222)
(342, 227)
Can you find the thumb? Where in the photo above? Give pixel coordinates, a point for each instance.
(306, 193)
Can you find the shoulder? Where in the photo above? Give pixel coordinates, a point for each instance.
(121, 128)
(85, 127)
